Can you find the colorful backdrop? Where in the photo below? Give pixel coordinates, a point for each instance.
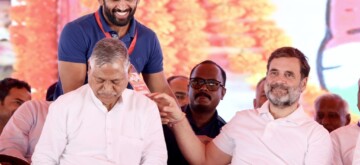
(237, 34)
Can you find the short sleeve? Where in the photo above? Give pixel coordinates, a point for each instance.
(72, 44)
(224, 141)
(155, 63)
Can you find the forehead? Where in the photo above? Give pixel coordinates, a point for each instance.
(207, 71)
(179, 81)
(108, 70)
(285, 64)
(19, 93)
(329, 105)
(179, 84)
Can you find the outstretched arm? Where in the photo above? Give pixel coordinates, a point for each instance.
(157, 83)
(194, 151)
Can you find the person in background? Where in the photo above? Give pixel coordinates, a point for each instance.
(13, 93)
(102, 122)
(260, 96)
(345, 141)
(206, 89)
(179, 86)
(22, 132)
(279, 132)
(50, 92)
(114, 19)
(331, 111)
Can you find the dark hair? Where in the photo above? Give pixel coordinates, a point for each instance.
(175, 77)
(291, 52)
(223, 74)
(50, 92)
(8, 83)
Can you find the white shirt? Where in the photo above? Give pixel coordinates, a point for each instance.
(344, 142)
(254, 137)
(23, 130)
(80, 130)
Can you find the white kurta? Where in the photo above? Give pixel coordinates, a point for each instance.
(80, 130)
(254, 137)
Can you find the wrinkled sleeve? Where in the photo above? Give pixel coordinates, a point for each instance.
(224, 141)
(53, 138)
(320, 149)
(356, 157)
(337, 159)
(155, 148)
(14, 140)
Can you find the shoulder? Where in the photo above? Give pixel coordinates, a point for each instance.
(84, 20)
(144, 30)
(76, 95)
(242, 117)
(245, 113)
(315, 132)
(220, 120)
(345, 131)
(80, 26)
(33, 106)
(141, 27)
(137, 99)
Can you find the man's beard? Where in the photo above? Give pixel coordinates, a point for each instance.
(110, 14)
(283, 100)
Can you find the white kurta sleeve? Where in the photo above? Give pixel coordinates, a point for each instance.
(14, 140)
(337, 159)
(320, 149)
(154, 147)
(53, 138)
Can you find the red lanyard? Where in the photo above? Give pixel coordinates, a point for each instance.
(108, 35)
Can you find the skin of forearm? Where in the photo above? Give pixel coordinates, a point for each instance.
(190, 145)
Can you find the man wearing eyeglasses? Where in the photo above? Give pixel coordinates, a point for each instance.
(279, 132)
(206, 88)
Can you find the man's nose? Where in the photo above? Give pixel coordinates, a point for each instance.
(203, 87)
(325, 120)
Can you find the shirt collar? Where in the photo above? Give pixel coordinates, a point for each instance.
(297, 117)
(108, 29)
(191, 120)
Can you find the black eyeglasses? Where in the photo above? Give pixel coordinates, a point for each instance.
(211, 85)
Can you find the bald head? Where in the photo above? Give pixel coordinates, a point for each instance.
(331, 111)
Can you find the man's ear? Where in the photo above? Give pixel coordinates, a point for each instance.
(223, 92)
(130, 68)
(89, 67)
(303, 83)
(348, 119)
(254, 103)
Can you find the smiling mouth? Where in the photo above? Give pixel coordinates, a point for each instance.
(121, 13)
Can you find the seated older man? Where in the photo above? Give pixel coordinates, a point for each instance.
(102, 122)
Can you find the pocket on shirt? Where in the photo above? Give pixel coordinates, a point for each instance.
(130, 151)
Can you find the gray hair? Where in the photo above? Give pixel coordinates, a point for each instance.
(109, 50)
